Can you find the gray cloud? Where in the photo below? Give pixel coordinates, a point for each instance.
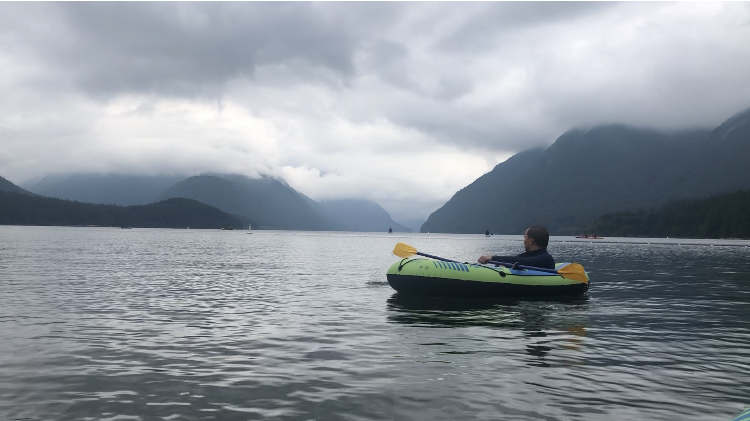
(183, 48)
(342, 99)
(493, 24)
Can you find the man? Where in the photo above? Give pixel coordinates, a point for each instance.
(535, 241)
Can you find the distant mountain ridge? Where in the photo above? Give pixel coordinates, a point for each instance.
(23, 209)
(581, 176)
(268, 202)
(361, 215)
(276, 205)
(124, 190)
(7, 186)
(586, 173)
(265, 202)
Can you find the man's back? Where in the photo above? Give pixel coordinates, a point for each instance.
(537, 258)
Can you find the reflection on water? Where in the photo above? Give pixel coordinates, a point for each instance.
(215, 325)
(543, 323)
(498, 313)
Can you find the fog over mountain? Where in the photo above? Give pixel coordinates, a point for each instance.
(584, 174)
(105, 188)
(361, 215)
(398, 103)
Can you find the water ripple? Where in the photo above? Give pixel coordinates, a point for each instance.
(210, 325)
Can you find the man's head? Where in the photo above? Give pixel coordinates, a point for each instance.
(535, 238)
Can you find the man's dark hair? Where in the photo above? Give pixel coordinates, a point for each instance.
(540, 235)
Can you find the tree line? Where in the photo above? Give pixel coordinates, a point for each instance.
(23, 209)
(720, 216)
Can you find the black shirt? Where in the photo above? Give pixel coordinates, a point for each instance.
(537, 258)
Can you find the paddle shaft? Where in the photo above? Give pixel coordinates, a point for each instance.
(436, 257)
(512, 265)
(492, 262)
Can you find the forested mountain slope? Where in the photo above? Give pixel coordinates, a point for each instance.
(7, 186)
(23, 209)
(720, 216)
(586, 173)
(112, 189)
(267, 201)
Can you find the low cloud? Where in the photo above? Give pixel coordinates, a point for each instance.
(402, 103)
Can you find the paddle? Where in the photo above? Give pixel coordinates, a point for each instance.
(572, 271)
(405, 250)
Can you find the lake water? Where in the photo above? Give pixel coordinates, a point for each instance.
(148, 324)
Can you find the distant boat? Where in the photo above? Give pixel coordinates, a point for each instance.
(592, 237)
(249, 228)
(227, 229)
(390, 230)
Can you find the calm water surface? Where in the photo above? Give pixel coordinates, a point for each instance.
(145, 324)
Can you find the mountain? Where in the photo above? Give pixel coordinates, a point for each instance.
(586, 173)
(361, 215)
(262, 202)
(112, 189)
(726, 156)
(719, 216)
(267, 201)
(7, 186)
(473, 208)
(22, 209)
(412, 223)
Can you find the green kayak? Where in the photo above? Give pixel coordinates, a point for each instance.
(744, 416)
(431, 277)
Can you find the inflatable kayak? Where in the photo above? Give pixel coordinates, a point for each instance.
(744, 416)
(437, 278)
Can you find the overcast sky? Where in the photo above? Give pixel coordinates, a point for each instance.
(401, 103)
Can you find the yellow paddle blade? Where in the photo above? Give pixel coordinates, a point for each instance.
(404, 250)
(573, 271)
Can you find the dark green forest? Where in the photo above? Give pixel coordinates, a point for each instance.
(23, 209)
(721, 216)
